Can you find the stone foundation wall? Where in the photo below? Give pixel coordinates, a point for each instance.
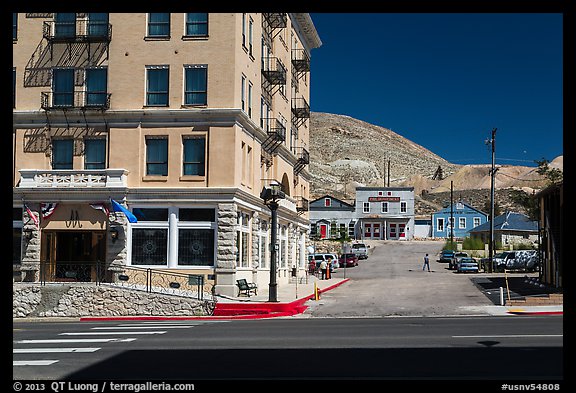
(82, 300)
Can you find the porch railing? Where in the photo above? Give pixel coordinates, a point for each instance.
(136, 278)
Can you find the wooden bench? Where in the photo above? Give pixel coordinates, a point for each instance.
(246, 288)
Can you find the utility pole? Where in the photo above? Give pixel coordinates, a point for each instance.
(451, 213)
(492, 142)
(388, 172)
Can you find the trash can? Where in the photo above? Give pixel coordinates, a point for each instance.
(293, 271)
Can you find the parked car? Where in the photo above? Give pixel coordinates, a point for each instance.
(348, 260)
(467, 264)
(318, 258)
(525, 260)
(446, 256)
(453, 264)
(361, 250)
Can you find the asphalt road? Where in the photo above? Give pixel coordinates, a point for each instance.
(292, 348)
(391, 282)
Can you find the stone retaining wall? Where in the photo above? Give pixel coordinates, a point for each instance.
(81, 300)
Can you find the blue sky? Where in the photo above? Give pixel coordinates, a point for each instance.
(445, 81)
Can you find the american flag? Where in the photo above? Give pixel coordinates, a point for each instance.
(32, 216)
(47, 209)
(100, 206)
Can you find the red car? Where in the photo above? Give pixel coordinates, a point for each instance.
(348, 260)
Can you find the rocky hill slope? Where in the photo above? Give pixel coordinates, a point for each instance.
(347, 152)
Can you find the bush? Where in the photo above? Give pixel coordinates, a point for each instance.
(471, 243)
(523, 246)
(450, 246)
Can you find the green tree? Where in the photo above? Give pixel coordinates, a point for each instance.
(528, 202)
(553, 175)
(486, 208)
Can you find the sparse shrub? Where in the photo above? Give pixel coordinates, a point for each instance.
(473, 243)
(450, 245)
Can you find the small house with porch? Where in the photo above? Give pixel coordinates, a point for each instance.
(329, 216)
(456, 220)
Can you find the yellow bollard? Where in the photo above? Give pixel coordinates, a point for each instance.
(316, 293)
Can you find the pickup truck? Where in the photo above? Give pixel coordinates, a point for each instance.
(361, 250)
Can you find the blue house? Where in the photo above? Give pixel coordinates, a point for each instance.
(465, 218)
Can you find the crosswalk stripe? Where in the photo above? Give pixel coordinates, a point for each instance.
(108, 333)
(144, 327)
(54, 350)
(75, 340)
(33, 362)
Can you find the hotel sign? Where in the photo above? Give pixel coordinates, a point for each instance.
(383, 199)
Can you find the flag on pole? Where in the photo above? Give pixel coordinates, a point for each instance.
(119, 208)
(100, 206)
(32, 216)
(47, 209)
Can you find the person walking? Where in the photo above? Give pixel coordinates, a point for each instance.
(323, 267)
(426, 263)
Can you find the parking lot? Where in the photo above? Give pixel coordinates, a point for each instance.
(391, 282)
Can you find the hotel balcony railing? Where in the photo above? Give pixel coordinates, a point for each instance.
(300, 60)
(77, 31)
(302, 204)
(303, 156)
(75, 100)
(274, 128)
(300, 108)
(72, 178)
(273, 70)
(276, 20)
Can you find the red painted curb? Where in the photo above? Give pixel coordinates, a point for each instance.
(227, 311)
(536, 312)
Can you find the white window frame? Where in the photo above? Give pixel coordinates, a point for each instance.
(263, 252)
(366, 207)
(240, 230)
(327, 202)
(403, 207)
(477, 221)
(384, 208)
(461, 222)
(440, 224)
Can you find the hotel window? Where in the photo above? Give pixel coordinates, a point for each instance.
(476, 221)
(95, 153)
(244, 30)
(366, 207)
(97, 24)
(243, 93)
(196, 232)
(283, 246)
(157, 85)
(196, 90)
(384, 207)
(462, 222)
(65, 25)
(14, 26)
(403, 207)
(250, 36)
(150, 245)
(194, 160)
(62, 153)
(242, 240)
(96, 87)
(63, 87)
(159, 25)
(263, 246)
(250, 88)
(197, 24)
(157, 156)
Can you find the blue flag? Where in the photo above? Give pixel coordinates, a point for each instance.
(119, 208)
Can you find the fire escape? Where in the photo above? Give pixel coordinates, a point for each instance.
(274, 77)
(70, 60)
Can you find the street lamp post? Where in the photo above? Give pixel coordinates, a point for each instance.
(271, 195)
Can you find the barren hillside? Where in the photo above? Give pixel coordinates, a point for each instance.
(346, 153)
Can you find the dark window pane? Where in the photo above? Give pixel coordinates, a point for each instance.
(157, 157)
(96, 86)
(196, 86)
(196, 215)
(97, 24)
(63, 87)
(62, 153)
(16, 244)
(65, 25)
(149, 246)
(196, 247)
(95, 154)
(194, 156)
(197, 24)
(158, 25)
(16, 214)
(157, 87)
(146, 214)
